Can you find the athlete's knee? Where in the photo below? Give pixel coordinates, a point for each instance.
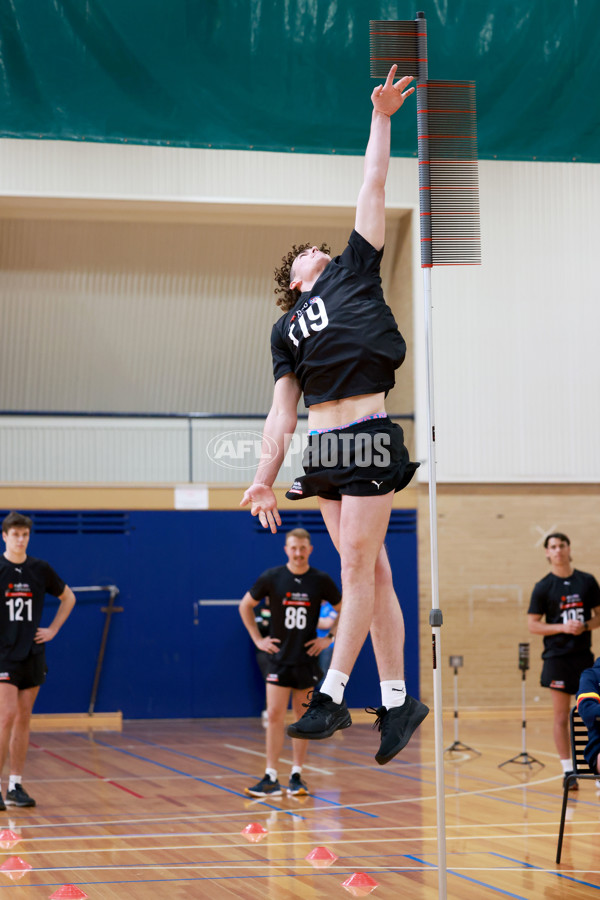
(561, 718)
(357, 564)
(383, 574)
(276, 717)
(8, 715)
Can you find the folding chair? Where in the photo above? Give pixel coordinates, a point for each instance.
(581, 770)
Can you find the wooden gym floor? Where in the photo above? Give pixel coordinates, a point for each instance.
(157, 811)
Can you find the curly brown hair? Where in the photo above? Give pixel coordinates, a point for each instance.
(289, 297)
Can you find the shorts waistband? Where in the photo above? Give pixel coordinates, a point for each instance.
(348, 425)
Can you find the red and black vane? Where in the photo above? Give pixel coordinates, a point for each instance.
(447, 137)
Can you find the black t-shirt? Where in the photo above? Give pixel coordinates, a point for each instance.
(341, 338)
(23, 587)
(295, 604)
(562, 600)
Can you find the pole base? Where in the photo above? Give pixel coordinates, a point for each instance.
(523, 759)
(459, 747)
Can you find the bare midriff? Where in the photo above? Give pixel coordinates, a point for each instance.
(336, 413)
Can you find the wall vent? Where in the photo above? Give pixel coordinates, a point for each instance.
(77, 522)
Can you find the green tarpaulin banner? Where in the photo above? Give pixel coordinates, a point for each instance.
(292, 75)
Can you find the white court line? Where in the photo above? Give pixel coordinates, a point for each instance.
(303, 810)
(289, 762)
(297, 831)
(325, 830)
(330, 870)
(339, 843)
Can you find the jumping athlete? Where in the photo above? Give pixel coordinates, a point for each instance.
(24, 582)
(295, 593)
(569, 601)
(339, 345)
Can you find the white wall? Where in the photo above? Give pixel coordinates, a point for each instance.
(516, 375)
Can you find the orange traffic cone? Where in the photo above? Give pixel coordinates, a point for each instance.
(68, 892)
(15, 867)
(254, 832)
(8, 839)
(321, 857)
(359, 884)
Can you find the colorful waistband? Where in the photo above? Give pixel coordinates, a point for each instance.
(348, 425)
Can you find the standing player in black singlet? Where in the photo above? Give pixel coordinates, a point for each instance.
(569, 601)
(295, 593)
(24, 582)
(338, 343)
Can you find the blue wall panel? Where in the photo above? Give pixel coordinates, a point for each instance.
(169, 653)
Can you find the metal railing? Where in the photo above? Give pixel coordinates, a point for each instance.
(129, 448)
(109, 611)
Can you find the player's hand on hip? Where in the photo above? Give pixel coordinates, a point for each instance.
(269, 644)
(264, 505)
(43, 635)
(317, 645)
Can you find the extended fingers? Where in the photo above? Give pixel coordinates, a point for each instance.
(403, 82)
(390, 76)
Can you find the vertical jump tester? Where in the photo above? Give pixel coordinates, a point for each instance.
(450, 235)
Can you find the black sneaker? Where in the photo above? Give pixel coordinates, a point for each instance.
(296, 787)
(396, 726)
(321, 719)
(19, 797)
(264, 788)
(573, 783)
(2, 804)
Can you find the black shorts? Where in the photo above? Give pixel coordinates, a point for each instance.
(365, 459)
(263, 658)
(562, 673)
(27, 673)
(300, 677)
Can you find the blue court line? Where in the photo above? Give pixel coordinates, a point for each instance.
(313, 874)
(291, 861)
(287, 812)
(326, 757)
(235, 771)
(207, 762)
(484, 884)
(540, 869)
(219, 787)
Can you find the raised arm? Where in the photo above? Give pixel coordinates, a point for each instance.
(370, 208)
(277, 433)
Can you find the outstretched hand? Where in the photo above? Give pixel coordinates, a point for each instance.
(388, 98)
(264, 505)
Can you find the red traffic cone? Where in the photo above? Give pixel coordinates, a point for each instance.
(68, 892)
(8, 839)
(254, 832)
(321, 857)
(359, 884)
(15, 867)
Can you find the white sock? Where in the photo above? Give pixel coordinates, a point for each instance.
(272, 773)
(334, 685)
(296, 770)
(393, 693)
(13, 780)
(567, 765)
